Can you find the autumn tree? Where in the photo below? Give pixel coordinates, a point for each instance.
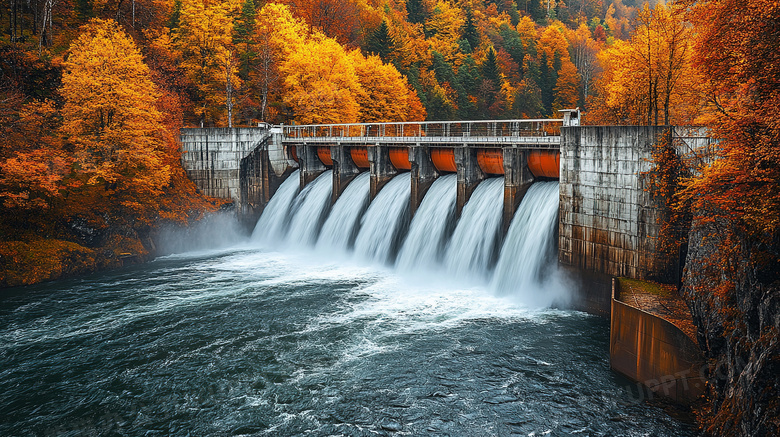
(321, 85)
(386, 96)
(566, 87)
(277, 35)
(734, 196)
(649, 79)
(205, 39)
(110, 118)
(335, 18)
(444, 27)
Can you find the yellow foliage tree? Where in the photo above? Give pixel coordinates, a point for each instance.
(321, 85)
(445, 25)
(553, 42)
(277, 35)
(110, 116)
(649, 79)
(386, 95)
(205, 38)
(567, 87)
(526, 28)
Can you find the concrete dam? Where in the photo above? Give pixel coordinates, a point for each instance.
(543, 208)
(607, 220)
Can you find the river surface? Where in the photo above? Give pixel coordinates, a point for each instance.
(248, 341)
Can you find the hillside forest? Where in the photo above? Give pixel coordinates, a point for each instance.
(93, 94)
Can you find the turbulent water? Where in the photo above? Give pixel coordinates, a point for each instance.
(526, 266)
(246, 342)
(257, 340)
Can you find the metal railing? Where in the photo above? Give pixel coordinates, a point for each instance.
(536, 130)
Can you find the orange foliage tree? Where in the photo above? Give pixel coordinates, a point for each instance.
(110, 118)
(386, 95)
(735, 198)
(650, 79)
(321, 84)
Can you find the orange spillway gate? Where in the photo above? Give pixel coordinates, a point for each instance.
(323, 152)
(399, 157)
(293, 153)
(544, 163)
(491, 161)
(359, 156)
(444, 159)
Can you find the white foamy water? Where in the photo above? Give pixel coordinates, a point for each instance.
(385, 223)
(474, 245)
(341, 227)
(272, 225)
(431, 227)
(310, 209)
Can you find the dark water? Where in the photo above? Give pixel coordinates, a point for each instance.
(246, 342)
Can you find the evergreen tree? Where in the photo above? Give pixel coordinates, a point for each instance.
(442, 69)
(380, 42)
(244, 24)
(528, 100)
(470, 32)
(490, 70)
(84, 9)
(415, 11)
(548, 77)
(512, 43)
(173, 21)
(438, 106)
(469, 77)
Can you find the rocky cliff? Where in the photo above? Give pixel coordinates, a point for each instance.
(734, 296)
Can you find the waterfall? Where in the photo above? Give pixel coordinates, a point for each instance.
(385, 222)
(377, 231)
(310, 209)
(341, 227)
(272, 225)
(473, 247)
(431, 227)
(524, 266)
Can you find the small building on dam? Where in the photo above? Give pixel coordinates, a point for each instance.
(608, 218)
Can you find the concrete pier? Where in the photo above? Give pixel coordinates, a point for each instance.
(469, 175)
(424, 174)
(310, 163)
(381, 168)
(517, 180)
(344, 169)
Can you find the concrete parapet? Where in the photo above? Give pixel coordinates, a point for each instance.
(652, 351)
(469, 175)
(517, 181)
(344, 169)
(381, 168)
(423, 174)
(310, 163)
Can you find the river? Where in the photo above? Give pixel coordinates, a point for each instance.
(250, 341)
